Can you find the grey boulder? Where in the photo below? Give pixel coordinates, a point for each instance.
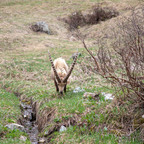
(13, 126)
(40, 27)
(62, 128)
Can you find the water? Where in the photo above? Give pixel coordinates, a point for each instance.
(29, 122)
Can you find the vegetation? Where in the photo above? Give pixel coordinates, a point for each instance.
(121, 62)
(25, 75)
(9, 113)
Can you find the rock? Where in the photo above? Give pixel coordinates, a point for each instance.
(23, 138)
(143, 116)
(46, 133)
(28, 114)
(41, 140)
(40, 26)
(107, 96)
(74, 55)
(62, 128)
(28, 124)
(89, 94)
(78, 89)
(13, 126)
(72, 38)
(105, 129)
(24, 106)
(27, 111)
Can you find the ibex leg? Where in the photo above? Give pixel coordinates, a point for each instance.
(57, 89)
(65, 88)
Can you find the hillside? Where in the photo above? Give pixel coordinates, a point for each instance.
(25, 74)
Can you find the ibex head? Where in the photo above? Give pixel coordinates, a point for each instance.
(61, 75)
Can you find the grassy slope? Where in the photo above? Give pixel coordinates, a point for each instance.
(25, 68)
(9, 113)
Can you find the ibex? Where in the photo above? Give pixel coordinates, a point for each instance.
(60, 73)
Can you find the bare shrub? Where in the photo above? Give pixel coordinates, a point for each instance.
(123, 64)
(97, 14)
(120, 59)
(100, 14)
(75, 20)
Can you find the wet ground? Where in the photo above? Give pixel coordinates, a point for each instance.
(28, 120)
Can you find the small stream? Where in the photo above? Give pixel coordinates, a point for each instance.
(29, 122)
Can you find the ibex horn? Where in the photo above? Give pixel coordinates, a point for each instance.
(70, 71)
(57, 77)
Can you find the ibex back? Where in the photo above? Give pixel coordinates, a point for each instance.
(60, 73)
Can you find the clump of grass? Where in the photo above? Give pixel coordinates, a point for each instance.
(12, 136)
(83, 135)
(9, 113)
(9, 105)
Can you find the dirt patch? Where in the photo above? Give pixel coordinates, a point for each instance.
(94, 16)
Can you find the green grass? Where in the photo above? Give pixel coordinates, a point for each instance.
(12, 136)
(68, 104)
(9, 113)
(82, 135)
(21, 2)
(9, 105)
(25, 70)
